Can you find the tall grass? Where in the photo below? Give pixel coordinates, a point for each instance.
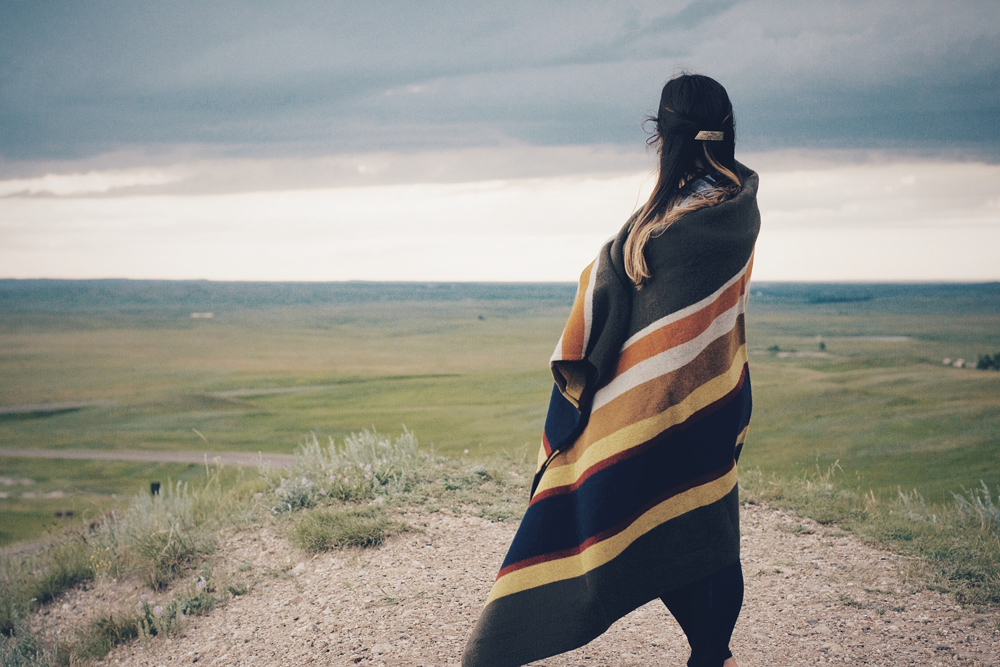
(30, 580)
(156, 539)
(21, 648)
(366, 466)
(372, 467)
(977, 507)
(149, 619)
(959, 541)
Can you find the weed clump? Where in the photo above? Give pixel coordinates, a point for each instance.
(36, 579)
(325, 529)
(157, 537)
(21, 649)
(367, 465)
(151, 619)
(977, 507)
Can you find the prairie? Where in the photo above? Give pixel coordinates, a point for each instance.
(463, 366)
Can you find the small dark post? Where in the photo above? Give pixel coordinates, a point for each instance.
(154, 488)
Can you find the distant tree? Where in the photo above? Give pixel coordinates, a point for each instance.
(987, 363)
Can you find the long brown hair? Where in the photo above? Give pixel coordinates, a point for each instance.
(689, 104)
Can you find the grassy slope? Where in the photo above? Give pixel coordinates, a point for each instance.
(85, 488)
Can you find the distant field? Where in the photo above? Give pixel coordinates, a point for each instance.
(464, 367)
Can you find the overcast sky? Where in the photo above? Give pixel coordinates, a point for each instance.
(120, 109)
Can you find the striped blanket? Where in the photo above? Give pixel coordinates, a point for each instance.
(636, 491)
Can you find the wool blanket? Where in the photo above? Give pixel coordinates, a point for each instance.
(635, 493)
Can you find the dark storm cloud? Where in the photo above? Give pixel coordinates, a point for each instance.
(78, 78)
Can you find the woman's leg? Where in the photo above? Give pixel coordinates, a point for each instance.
(707, 611)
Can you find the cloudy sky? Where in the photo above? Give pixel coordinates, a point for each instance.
(483, 141)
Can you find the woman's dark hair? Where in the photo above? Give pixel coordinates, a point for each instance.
(690, 104)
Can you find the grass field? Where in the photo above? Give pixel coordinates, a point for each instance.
(464, 367)
(44, 495)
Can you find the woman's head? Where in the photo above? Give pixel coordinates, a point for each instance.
(691, 104)
(694, 133)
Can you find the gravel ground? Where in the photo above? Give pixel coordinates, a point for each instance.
(814, 595)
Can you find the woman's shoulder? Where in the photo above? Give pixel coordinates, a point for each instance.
(709, 230)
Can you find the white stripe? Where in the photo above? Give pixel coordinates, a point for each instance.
(588, 314)
(684, 312)
(669, 360)
(588, 303)
(557, 354)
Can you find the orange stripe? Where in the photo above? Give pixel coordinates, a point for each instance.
(572, 338)
(678, 332)
(653, 397)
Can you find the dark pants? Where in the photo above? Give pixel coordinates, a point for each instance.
(706, 611)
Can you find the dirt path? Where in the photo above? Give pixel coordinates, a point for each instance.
(45, 408)
(226, 458)
(814, 596)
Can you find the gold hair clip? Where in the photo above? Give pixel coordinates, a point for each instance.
(706, 135)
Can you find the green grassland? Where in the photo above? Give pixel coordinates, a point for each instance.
(889, 410)
(465, 368)
(44, 495)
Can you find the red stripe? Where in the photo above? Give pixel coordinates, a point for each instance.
(610, 532)
(641, 447)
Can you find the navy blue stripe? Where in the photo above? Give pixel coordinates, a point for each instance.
(563, 422)
(610, 496)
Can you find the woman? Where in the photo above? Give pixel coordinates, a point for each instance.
(635, 496)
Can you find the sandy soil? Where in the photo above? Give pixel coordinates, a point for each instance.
(814, 595)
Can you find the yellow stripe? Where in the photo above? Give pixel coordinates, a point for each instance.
(604, 551)
(634, 434)
(543, 456)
